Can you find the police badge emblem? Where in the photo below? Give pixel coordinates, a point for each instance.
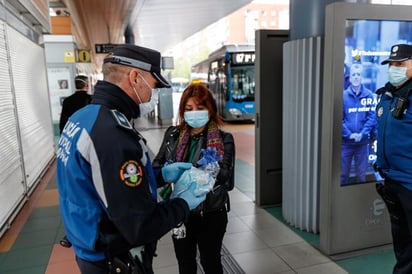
(380, 111)
(131, 173)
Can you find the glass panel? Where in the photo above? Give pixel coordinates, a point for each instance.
(367, 44)
(243, 83)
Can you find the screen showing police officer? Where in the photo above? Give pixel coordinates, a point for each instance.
(367, 44)
(358, 126)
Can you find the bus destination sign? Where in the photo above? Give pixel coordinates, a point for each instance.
(239, 58)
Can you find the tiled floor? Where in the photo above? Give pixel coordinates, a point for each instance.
(259, 242)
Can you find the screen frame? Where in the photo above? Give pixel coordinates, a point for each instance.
(351, 217)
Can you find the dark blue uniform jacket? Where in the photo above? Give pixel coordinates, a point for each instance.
(104, 175)
(394, 137)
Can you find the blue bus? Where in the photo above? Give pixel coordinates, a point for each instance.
(230, 74)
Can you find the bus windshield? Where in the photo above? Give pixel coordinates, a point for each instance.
(230, 74)
(243, 83)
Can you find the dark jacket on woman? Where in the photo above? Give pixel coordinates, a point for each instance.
(218, 197)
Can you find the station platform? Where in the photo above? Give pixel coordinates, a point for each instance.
(257, 241)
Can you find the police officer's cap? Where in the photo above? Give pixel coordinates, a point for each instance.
(138, 57)
(399, 53)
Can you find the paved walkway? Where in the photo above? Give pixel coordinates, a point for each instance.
(259, 242)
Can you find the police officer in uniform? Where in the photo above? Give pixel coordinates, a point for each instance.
(106, 184)
(394, 152)
(358, 122)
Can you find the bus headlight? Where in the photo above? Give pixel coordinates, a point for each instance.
(235, 112)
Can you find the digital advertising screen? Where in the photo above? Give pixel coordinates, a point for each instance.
(358, 37)
(367, 44)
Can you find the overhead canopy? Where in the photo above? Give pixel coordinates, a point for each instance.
(158, 24)
(161, 24)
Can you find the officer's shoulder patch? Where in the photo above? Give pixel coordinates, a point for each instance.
(131, 173)
(121, 119)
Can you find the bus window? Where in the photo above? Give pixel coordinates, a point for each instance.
(213, 71)
(212, 74)
(243, 83)
(222, 83)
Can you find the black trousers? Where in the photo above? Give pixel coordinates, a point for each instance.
(102, 267)
(206, 233)
(398, 200)
(87, 267)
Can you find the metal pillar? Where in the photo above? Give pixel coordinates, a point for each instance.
(307, 18)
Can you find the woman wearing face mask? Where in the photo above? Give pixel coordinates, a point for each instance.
(197, 129)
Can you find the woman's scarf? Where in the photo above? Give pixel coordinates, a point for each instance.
(214, 140)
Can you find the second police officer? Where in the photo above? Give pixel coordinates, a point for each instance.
(394, 152)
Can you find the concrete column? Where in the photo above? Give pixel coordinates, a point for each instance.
(307, 18)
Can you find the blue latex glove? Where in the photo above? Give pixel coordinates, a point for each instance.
(189, 196)
(209, 156)
(172, 172)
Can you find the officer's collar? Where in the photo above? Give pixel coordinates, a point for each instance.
(114, 97)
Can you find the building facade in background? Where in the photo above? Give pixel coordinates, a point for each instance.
(237, 28)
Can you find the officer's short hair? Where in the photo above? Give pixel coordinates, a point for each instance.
(81, 81)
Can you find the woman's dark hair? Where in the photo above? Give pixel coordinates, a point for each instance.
(203, 96)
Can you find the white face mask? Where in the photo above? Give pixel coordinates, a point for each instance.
(397, 75)
(147, 107)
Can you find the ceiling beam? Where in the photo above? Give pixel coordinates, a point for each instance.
(99, 22)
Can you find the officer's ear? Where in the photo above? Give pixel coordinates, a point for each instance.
(133, 75)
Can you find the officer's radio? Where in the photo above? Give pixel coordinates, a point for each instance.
(401, 105)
